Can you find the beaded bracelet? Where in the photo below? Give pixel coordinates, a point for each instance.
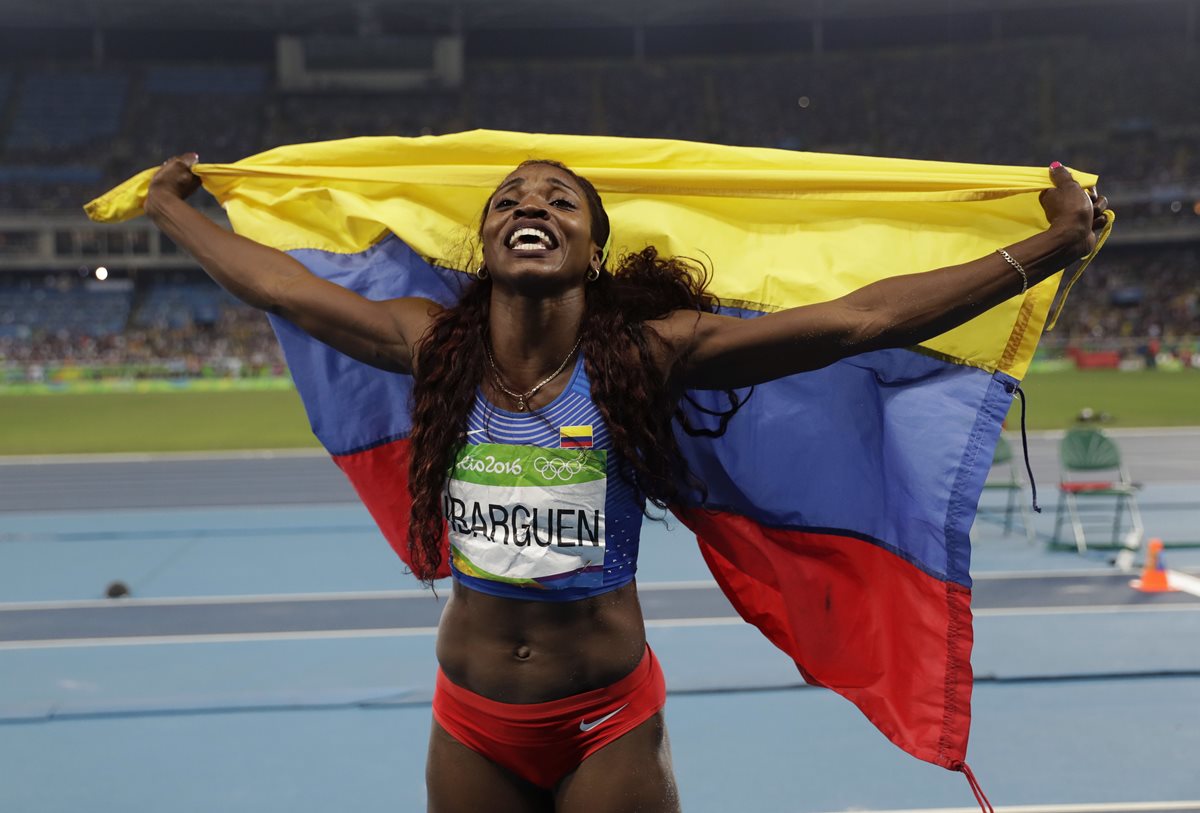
(1016, 265)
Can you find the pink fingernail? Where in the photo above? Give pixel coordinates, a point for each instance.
(1055, 165)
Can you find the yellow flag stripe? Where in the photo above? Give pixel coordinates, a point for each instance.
(777, 228)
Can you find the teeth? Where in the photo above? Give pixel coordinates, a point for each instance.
(544, 241)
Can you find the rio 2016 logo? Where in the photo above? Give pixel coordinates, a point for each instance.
(490, 465)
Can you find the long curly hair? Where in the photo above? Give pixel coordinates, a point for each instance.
(619, 355)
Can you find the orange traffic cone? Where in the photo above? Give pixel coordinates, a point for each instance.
(1154, 574)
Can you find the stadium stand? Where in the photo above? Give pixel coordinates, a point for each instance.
(1137, 293)
(206, 80)
(292, 118)
(178, 305)
(69, 133)
(54, 325)
(1142, 130)
(34, 306)
(214, 108)
(66, 109)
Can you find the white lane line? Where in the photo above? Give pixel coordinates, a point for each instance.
(268, 454)
(1075, 573)
(1187, 583)
(715, 621)
(302, 635)
(1098, 609)
(1130, 432)
(693, 584)
(159, 457)
(187, 601)
(1097, 807)
(405, 632)
(1184, 582)
(228, 638)
(276, 598)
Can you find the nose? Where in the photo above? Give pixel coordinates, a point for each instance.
(531, 210)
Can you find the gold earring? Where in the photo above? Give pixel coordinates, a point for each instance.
(481, 272)
(593, 273)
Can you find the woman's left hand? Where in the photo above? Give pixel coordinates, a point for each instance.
(1076, 214)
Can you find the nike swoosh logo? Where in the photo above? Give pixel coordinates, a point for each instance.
(584, 725)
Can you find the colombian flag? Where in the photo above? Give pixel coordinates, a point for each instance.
(839, 501)
(575, 437)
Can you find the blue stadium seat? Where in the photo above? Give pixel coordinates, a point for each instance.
(29, 310)
(205, 80)
(50, 174)
(177, 305)
(56, 110)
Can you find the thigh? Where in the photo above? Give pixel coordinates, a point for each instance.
(632, 774)
(459, 780)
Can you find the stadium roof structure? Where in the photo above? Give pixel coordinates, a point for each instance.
(308, 16)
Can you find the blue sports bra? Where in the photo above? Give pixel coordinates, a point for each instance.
(534, 504)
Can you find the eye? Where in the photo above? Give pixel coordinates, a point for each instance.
(504, 203)
(563, 203)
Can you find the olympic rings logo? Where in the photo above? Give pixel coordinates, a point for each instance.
(555, 469)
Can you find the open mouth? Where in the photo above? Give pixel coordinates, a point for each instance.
(531, 238)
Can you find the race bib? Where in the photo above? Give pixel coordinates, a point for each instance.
(528, 515)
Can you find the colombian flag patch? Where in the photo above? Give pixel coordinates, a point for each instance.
(575, 437)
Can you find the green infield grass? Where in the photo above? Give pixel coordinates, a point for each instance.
(1147, 398)
(204, 421)
(152, 422)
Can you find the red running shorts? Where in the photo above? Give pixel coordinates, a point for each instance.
(543, 742)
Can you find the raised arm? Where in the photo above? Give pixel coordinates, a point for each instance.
(380, 333)
(722, 351)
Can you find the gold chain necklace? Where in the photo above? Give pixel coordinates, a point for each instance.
(523, 399)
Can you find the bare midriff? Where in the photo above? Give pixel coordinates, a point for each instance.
(515, 651)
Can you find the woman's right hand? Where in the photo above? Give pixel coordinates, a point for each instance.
(1076, 215)
(173, 180)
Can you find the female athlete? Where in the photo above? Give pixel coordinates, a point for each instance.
(542, 417)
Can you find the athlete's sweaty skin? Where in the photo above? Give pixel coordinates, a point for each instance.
(519, 651)
(534, 651)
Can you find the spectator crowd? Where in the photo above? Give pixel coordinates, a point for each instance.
(1018, 102)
